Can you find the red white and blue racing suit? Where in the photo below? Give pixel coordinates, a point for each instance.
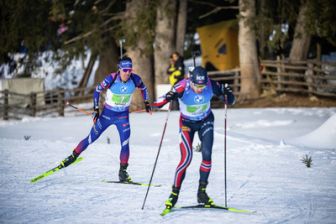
(196, 116)
(116, 110)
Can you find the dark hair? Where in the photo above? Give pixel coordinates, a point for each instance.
(175, 52)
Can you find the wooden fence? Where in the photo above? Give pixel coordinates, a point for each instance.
(307, 77)
(304, 77)
(231, 77)
(15, 105)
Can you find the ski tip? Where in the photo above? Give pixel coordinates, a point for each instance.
(32, 181)
(214, 206)
(49, 172)
(241, 210)
(35, 179)
(165, 211)
(131, 183)
(79, 159)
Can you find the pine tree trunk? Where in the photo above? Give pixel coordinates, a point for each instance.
(138, 51)
(108, 60)
(249, 66)
(164, 39)
(142, 67)
(181, 25)
(88, 70)
(301, 41)
(263, 35)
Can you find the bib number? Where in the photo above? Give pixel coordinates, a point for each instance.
(196, 109)
(121, 99)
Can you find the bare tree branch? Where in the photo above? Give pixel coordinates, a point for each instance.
(217, 9)
(81, 36)
(108, 7)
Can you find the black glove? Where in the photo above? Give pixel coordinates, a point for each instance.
(95, 114)
(148, 107)
(225, 89)
(170, 95)
(228, 96)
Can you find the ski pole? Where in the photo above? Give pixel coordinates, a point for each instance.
(225, 116)
(90, 112)
(194, 60)
(157, 156)
(138, 111)
(194, 54)
(121, 41)
(79, 109)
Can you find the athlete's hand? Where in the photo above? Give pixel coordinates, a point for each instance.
(95, 114)
(170, 95)
(148, 107)
(225, 89)
(228, 96)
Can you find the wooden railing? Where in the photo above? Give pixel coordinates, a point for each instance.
(15, 105)
(304, 77)
(231, 77)
(307, 77)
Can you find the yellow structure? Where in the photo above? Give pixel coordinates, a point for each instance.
(219, 45)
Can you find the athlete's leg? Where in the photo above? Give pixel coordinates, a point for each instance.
(103, 122)
(98, 128)
(206, 137)
(186, 138)
(123, 126)
(124, 130)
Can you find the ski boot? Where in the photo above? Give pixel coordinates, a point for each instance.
(123, 175)
(202, 196)
(70, 159)
(171, 201)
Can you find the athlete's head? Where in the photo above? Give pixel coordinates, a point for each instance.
(199, 78)
(125, 68)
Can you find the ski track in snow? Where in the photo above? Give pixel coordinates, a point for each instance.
(262, 174)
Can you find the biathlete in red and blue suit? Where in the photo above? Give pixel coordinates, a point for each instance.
(194, 97)
(119, 87)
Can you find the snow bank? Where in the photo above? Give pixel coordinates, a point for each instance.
(324, 137)
(263, 123)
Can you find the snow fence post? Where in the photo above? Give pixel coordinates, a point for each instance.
(236, 81)
(310, 78)
(61, 103)
(6, 105)
(33, 104)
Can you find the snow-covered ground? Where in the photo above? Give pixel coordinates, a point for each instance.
(264, 172)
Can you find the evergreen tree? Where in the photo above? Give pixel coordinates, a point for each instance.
(70, 26)
(273, 16)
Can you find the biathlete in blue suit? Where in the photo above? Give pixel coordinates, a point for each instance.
(194, 95)
(119, 87)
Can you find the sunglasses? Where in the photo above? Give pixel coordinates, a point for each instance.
(197, 86)
(127, 70)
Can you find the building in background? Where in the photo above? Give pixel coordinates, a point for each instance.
(219, 45)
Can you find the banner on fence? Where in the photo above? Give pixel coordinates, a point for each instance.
(23, 86)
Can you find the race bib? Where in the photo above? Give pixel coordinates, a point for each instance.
(197, 109)
(121, 99)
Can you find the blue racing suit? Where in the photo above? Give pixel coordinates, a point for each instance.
(196, 116)
(116, 110)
